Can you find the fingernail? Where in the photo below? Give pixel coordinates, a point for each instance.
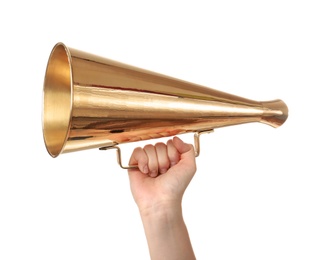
(164, 170)
(153, 174)
(145, 169)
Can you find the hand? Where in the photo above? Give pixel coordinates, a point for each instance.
(164, 172)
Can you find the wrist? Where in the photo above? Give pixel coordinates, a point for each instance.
(165, 228)
(163, 214)
(161, 209)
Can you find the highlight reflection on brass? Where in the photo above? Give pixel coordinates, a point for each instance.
(93, 102)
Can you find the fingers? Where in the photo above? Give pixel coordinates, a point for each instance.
(162, 156)
(173, 153)
(153, 163)
(140, 158)
(155, 159)
(151, 160)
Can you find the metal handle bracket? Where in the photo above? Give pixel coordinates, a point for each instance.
(119, 157)
(196, 149)
(197, 140)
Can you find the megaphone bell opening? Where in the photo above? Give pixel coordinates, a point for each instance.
(57, 100)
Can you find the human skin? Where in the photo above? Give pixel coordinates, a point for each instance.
(164, 172)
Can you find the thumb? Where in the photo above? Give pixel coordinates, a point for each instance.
(187, 155)
(183, 147)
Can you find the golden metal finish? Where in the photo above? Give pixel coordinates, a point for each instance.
(119, 157)
(119, 160)
(93, 102)
(197, 141)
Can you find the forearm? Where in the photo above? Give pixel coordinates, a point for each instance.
(166, 233)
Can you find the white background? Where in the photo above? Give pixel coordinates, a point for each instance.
(255, 194)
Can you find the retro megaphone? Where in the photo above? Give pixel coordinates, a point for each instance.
(93, 102)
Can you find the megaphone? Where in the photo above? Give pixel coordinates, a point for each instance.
(94, 102)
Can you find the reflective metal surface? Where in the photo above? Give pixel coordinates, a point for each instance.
(93, 102)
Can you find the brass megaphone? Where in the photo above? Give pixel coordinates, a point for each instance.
(93, 102)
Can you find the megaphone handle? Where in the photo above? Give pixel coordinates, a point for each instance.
(119, 157)
(197, 140)
(196, 149)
